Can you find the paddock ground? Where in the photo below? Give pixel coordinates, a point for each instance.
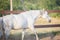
(43, 33)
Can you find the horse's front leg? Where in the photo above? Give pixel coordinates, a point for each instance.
(32, 28)
(23, 33)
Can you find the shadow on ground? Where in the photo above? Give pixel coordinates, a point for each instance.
(32, 36)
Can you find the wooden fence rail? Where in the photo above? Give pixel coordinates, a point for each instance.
(47, 26)
(19, 11)
(36, 26)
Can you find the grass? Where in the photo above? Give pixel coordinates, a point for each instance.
(32, 36)
(55, 33)
(55, 15)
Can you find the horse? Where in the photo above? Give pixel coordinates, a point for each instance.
(1, 33)
(23, 20)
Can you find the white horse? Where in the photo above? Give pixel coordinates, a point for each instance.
(23, 20)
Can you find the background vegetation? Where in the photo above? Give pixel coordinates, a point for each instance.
(31, 5)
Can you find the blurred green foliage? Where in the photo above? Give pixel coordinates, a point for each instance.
(55, 15)
(4, 5)
(31, 5)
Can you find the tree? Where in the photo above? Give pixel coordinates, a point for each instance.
(30, 4)
(4, 5)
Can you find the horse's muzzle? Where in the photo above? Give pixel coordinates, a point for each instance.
(49, 21)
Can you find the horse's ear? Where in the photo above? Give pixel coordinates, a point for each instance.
(43, 9)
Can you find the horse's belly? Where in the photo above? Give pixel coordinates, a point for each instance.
(20, 23)
(19, 26)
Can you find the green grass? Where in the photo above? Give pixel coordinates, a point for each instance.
(42, 35)
(55, 15)
(57, 32)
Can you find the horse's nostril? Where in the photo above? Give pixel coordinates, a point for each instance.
(49, 21)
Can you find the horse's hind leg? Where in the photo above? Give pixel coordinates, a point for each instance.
(7, 33)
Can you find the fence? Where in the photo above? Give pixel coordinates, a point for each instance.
(36, 26)
(19, 11)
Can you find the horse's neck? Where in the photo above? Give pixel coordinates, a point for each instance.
(35, 13)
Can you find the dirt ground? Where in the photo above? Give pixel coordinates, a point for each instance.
(43, 33)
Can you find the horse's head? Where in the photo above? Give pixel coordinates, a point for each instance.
(44, 14)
